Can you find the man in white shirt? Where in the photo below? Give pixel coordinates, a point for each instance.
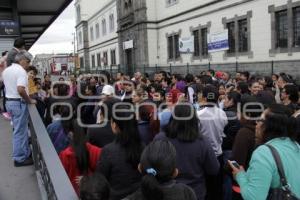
(16, 83)
(212, 122)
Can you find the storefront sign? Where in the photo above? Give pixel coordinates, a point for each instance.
(9, 28)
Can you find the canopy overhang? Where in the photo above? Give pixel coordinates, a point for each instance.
(36, 16)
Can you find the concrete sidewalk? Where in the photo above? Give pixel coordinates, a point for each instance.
(15, 183)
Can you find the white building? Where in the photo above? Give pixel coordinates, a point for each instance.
(263, 35)
(96, 34)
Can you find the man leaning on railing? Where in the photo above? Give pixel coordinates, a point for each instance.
(16, 84)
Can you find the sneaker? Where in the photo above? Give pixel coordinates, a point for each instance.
(6, 115)
(26, 162)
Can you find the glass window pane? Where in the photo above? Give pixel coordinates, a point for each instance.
(243, 35)
(176, 41)
(296, 20)
(204, 45)
(196, 42)
(282, 29)
(231, 37)
(170, 47)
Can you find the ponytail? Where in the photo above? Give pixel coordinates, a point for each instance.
(151, 189)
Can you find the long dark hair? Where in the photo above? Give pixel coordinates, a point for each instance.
(160, 158)
(279, 123)
(78, 143)
(186, 130)
(128, 136)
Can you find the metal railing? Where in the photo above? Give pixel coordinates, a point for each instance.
(265, 68)
(53, 181)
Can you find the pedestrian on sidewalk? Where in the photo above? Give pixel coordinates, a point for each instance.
(16, 84)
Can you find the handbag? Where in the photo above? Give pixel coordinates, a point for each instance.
(284, 192)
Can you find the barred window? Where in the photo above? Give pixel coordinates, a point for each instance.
(105, 58)
(296, 22)
(176, 41)
(231, 37)
(170, 47)
(243, 35)
(113, 57)
(93, 61)
(99, 59)
(204, 45)
(196, 43)
(281, 29)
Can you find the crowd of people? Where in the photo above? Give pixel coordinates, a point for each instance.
(164, 136)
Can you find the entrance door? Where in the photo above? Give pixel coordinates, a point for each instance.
(129, 61)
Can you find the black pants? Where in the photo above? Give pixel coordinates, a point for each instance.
(214, 184)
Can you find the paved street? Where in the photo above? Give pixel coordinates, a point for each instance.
(15, 183)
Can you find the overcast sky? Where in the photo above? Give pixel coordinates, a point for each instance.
(58, 37)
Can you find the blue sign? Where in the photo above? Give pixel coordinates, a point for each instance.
(9, 28)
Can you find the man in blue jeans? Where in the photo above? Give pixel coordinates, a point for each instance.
(16, 84)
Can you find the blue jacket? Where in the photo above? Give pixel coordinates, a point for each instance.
(57, 135)
(262, 173)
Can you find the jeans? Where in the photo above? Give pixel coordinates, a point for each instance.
(19, 113)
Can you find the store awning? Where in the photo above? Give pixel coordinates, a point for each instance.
(37, 15)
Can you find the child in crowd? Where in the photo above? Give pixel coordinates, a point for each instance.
(158, 167)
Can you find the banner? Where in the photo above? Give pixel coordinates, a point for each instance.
(186, 45)
(218, 41)
(9, 28)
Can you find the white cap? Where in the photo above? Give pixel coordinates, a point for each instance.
(108, 90)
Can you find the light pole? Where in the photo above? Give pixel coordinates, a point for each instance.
(74, 53)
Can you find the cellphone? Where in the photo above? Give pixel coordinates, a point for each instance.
(235, 164)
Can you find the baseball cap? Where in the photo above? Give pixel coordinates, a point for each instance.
(108, 90)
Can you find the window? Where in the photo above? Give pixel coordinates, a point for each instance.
(231, 37)
(80, 37)
(93, 61)
(176, 41)
(281, 29)
(239, 35)
(92, 33)
(81, 62)
(97, 31)
(171, 2)
(111, 23)
(200, 42)
(103, 27)
(113, 57)
(78, 14)
(285, 28)
(105, 58)
(173, 47)
(170, 47)
(204, 46)
(196, 43)
(99, 59)
(296, 24)
(243, 35)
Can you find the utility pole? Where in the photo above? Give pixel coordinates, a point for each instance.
(74, 53)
